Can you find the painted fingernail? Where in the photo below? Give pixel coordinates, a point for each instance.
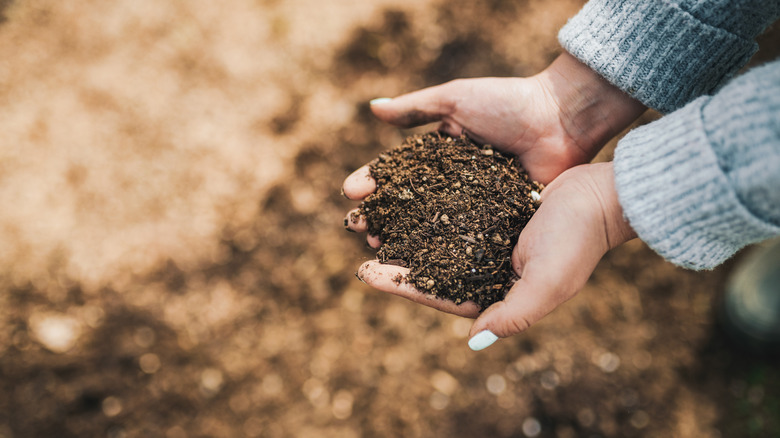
(380, 101)
(482, 340)
(357, 274)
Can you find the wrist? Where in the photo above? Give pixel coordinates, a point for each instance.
(618, 229)
(591, 110)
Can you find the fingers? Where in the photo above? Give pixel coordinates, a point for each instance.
(392, 279)
(543, 282)
(359, 184)
(416, 108)
(546, 281)
(556, 253)
(355, 222)
(453, 129)
(527, 302)
(373, 241)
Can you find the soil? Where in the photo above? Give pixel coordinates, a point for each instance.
(451, 211)
(173, 262)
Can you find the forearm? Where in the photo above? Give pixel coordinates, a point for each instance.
(591, 110)
(704, 181)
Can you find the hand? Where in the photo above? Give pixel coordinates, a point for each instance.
(552, 121)
(578, 221)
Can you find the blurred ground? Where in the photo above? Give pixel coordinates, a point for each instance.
(173, 261)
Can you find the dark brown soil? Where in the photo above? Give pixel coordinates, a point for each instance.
(451, 211)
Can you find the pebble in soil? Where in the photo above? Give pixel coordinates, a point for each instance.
(451, 211)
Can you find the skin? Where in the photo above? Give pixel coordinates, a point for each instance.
(553, 122)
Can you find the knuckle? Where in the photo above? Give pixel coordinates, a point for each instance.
(517, 259)
(506, 323)
(518, 324)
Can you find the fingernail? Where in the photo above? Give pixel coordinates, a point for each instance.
(380, 100)
(482, 340)
(357, 274)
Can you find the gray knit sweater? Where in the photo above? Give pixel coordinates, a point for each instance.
(703, 181)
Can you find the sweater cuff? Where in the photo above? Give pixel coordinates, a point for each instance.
(653, 50)
(677, 198)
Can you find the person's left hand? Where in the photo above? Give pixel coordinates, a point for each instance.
(578, 221)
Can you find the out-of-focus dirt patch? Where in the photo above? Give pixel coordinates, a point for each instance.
(173, 262)
(134, 132)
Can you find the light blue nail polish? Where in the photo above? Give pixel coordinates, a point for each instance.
(482, 340)
(380, 100)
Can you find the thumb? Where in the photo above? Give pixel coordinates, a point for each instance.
(417, 108)
(579, 220)
(554, 257)
(526, 303)
(555, 254)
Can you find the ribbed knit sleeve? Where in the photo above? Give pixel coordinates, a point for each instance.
(704, 181)
(665, 53)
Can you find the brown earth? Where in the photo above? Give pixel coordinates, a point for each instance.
(450, 210)
(173, 262)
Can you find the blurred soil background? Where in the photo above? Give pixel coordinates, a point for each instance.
(173, 262)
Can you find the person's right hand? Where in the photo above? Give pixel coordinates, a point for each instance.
(578, 221)
(551, 121)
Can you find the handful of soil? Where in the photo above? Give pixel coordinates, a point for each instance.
(451, 211)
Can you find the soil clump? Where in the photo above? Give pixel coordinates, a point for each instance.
(451, 211)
